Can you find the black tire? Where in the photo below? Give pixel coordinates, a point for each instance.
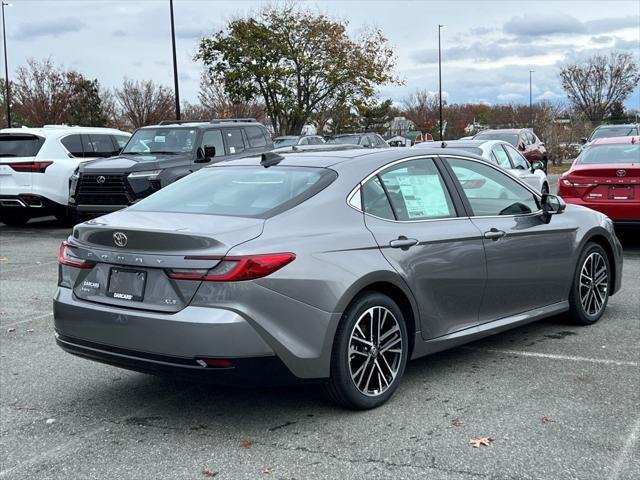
(341, 388)
(597, 292)
(14, 220)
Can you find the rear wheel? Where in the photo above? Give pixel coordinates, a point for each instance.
(14, 220)
(369, 353)
(591, 285)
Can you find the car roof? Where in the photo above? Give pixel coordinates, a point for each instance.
(55, 131)
(349, 156)
(617, 140)
(243, 122)
(627, 125)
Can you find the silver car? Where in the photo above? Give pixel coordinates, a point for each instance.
(334, 266)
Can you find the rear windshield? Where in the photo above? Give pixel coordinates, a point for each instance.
(608, 132)
(239, 191)
(20, 145)
(285, 142)
(511, 138)
(346, 140)
(615, 153)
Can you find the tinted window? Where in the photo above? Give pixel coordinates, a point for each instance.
(255, 135)
(490, 192)
(375, 201)
(345, 140)
(501, 156)
(621, 131)
(620, 153)
(213, 138)
(103, 145)
(233, 137)
(74, 145)
(121, 140)
(516, 157)
(239, 191)
(161, 140)
(20, 145)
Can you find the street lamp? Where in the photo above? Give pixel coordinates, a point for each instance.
(7, 98)
(175, 62)
(530, 101)
(440, 27)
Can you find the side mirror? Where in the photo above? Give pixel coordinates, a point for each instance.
(537, 165)
(205, 155)
(521, 147)
(551, 205)
(583, 140)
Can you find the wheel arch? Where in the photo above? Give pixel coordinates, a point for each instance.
(600, 237)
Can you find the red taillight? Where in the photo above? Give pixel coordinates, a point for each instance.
(33, 167)
(235, 269)
(66, 257)
(215, 362)
(569, 187)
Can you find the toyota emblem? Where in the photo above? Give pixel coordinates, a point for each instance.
(101, 179)
(120, 239)
(621, 173)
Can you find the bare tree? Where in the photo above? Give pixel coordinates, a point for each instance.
(144, 102)
(217, 103)
(595, 85)
(421, 107)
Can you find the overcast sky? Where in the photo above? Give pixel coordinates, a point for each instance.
(488, 46)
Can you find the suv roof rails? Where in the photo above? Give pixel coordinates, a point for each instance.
(180, 122)
(235, 120)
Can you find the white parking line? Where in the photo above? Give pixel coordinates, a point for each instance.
(604, 361)
(27, 320)
(2, 270)
(59, 450)
(626, 452)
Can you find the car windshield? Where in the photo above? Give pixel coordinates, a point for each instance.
(161, 140)
(19, 145)
(511, 138)
(612, 153)
(285, 142)
(621, 131)
(345, 140)
(239, 191)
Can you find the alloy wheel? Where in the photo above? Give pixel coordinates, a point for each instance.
(594, 282)
(375, 351)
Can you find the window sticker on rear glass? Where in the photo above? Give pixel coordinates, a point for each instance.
(423, 196)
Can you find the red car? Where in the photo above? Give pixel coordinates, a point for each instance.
(606, 177)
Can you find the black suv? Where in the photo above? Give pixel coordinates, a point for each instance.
(158, 155)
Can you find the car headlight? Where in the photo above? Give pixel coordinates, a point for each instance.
(149, 174)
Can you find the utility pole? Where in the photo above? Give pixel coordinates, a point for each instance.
(7, 98)
(530, 101)
(175, 63)
(440, 27)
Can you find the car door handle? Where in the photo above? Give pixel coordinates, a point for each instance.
(494, 234)
(403, 243)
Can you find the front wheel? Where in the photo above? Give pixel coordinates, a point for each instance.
(591, 285)
(370, 352)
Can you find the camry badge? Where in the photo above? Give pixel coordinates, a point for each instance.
(101, 179)
(120, 239)
(621, 173)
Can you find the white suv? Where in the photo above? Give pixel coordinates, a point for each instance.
(36, 163)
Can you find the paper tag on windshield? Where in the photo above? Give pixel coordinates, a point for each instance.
(232, 149)
(159, 139)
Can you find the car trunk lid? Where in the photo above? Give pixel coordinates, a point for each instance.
(611, 182)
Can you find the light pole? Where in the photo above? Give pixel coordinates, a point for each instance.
(175, 62)
(7, 98)
(530, 101)
(440, 27)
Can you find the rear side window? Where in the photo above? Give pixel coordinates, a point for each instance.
(233, 137)
(103, 146)
(20, 145)
(74, 145)
(256, 137)
(213, 138)
(501, 157)
(256, 192)
(516, 157)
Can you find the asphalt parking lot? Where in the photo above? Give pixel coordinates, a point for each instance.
(558, 402)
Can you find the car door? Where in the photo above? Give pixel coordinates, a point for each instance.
(522, 168)
(424, 235)
(528, 260)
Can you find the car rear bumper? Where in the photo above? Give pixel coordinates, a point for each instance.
(29, 205)
(620, 213)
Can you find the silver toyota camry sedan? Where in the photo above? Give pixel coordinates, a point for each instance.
(335, 267)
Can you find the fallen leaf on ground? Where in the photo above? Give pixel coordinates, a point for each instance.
(201, 426)
(208, 473)
(50, 421)
(548, 420)
(245, 444)
(11, 329)
(457, 422)
(267, 471)
(476, 442)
